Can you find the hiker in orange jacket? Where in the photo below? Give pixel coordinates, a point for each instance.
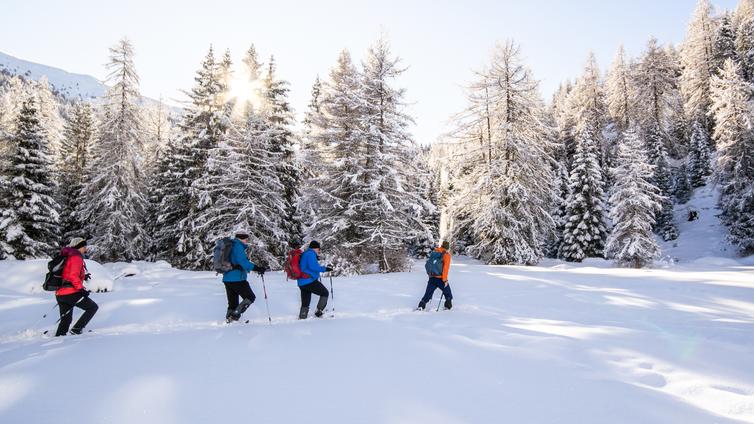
(438, 280)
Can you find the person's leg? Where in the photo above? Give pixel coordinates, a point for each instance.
(306, 300)
(90, 308)
(431, 287)
(65, 305)
(232, 301)
(320, 290)
(448, 296)
(244, 290)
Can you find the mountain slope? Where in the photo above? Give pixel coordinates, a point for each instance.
(67, 84)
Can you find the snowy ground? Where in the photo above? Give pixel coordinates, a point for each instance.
(557, 343)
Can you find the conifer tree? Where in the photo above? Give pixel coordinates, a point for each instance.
(633, 204)
(698, 64)
(29, 214)
(585, 231)
(619, 90)
(699, 156)
(79, 135)
(114, 200)
(734, 121)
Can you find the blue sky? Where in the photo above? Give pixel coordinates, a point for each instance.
(440, 41)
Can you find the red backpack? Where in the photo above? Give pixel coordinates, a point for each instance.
(292, 267)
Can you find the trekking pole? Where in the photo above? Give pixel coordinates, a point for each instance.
(70, 311)
(45, 315)
(264, 287)
(438, 303)
(332, 293)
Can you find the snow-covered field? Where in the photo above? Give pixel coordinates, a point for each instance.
(557, 343)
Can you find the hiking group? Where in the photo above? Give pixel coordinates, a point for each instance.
(67, 274)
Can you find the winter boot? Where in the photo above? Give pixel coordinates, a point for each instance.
(322, 303)
(319, 313)
(421, 306)
(229, 316)
(242, 307)
(448, 304)
(76, 331)
(304, 313)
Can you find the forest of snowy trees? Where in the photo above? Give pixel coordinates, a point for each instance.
(593, 173)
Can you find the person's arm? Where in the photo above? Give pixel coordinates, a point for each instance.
(74, 267)
(312, 264)
(239, 258)
(445, 266)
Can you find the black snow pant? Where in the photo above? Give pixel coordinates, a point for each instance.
(66, 304)
(235, 289)
(432, 285)
(314, 288)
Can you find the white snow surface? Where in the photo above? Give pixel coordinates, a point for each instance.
(555, 343)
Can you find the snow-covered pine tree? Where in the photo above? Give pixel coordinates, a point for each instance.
(743, 27)
(114, 200)
(29, 214)
(619, 91)
(336, 144)
(278, 112)
(205, 124)
(49, 116)
(248, 194)
(698, 64)
(664, 224)
(725, 41)
(389, 202)
(585, 231)
(734, 135)
(654, 79)
(633, 204)
(682, 188)
(699, 156)
(507, 189)
(79, 135)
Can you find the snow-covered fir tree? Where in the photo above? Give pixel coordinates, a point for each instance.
(248, 194)
(743, 28)
(662, 178)
(682, 189)
(205, 124)
(633, 204)
(337, 147)
(49, 116)
(698, 64)
(734, 135)
(508, 190)
(114, 201)
(78, 137)
(278, 112)
(29, 214)
(724, 42)
(655, 82)
(619, 91)
(699, 156)
(585, 231)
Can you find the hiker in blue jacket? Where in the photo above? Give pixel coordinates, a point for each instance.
(235, 280)
(310, 266)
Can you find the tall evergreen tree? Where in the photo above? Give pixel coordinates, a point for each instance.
(725, 42)
(114, 200)
(743, 27)
(698, 64)
(734, 135)
(278, 112)
(79, 134)
(662, 179)
(619, 90)
(204, 125)
(585, 232)
(633, 204)
(29, 214)
(507, 193)
(699, 156)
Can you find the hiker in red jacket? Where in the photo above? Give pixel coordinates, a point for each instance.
(73, 293)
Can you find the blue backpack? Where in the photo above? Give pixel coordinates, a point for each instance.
(434, 263)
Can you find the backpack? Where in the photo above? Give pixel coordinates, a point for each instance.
(54, 278)
(434, 263)
(221, 255)
(292, 265)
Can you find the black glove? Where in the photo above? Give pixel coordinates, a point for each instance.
(87, 277)
(84, 292)
(328, 268)
(260, 269)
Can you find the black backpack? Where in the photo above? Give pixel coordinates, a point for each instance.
(54, 277)
(221, 262)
